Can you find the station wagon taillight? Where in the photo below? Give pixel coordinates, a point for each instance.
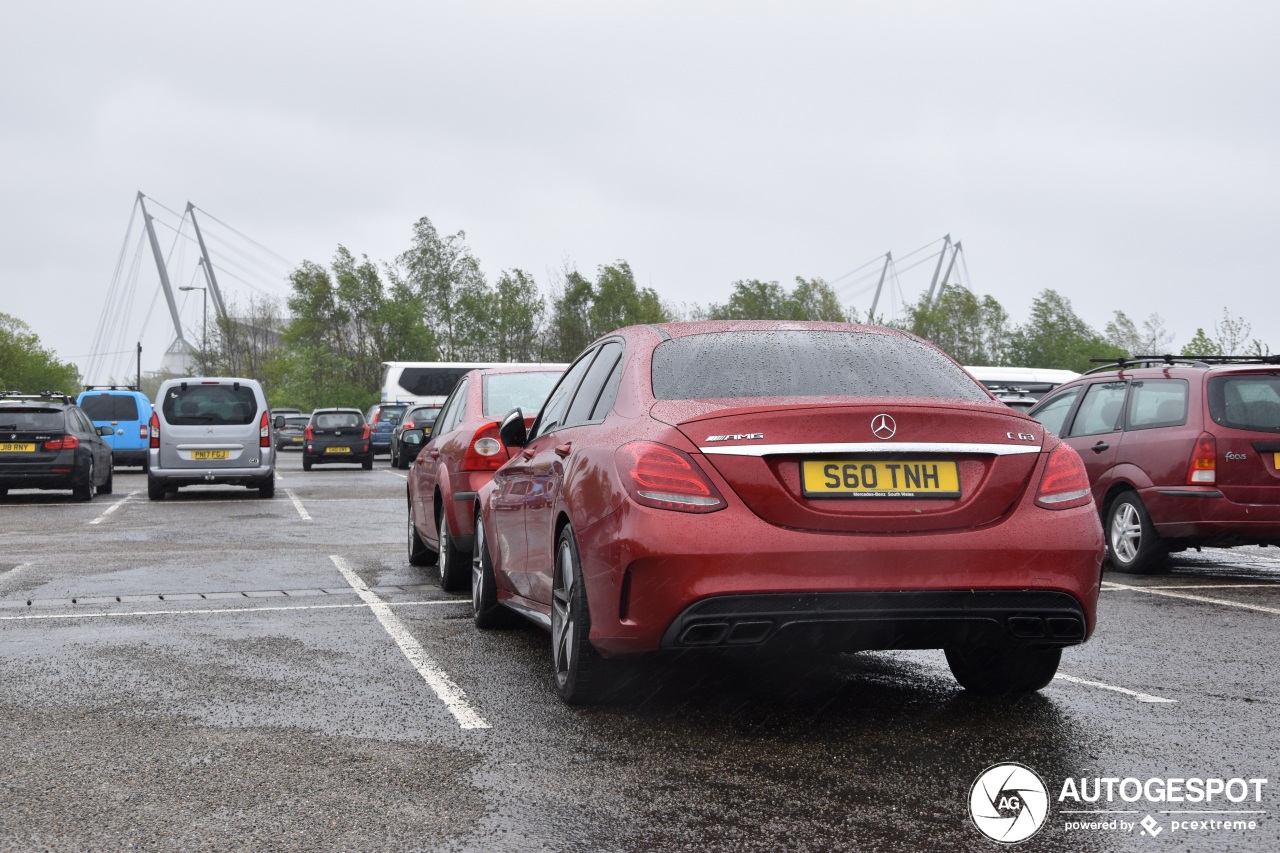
(67, 442)
(308, 432)
(155, 430)
(264, 431)
(1203, 470)
(1065, 482)
(366, 432)
(665, 478)
(486, 451)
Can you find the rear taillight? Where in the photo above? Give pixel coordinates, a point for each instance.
(142, 430)
(67, 442)
(155, 430)
(486, 451)
(665, 478)
(366, 432)
(264, 431)
(1065, 482)
(308, 432)
(408, 424)
(1203, 470)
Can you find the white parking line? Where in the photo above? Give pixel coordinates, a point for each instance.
(210, 611)
(395, 473)
(1141, 697)
(1112, 585)
(437, 679)
(115, 506)
(297, 504)
(1204, 599)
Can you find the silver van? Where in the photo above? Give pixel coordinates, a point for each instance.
(211, 430)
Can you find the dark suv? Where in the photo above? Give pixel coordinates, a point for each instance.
(48, 442)
(1181, 452)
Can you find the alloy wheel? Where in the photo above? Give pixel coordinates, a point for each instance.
(1126, 532)
(564, 617)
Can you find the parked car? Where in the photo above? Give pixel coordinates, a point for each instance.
(811, 486)
(1016, 383)
(128, 412)
(337, 435)
(291, 431)
(421, 418)
(461, 455)
(48, 442)
(382, 419)
(1181, 452)
(210, 430)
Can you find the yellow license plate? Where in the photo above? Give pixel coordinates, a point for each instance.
(857, 478)
(11, 447)
(337, 450)
(296, 440)
(211, 454)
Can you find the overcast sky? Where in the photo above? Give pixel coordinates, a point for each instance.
(1122, 154)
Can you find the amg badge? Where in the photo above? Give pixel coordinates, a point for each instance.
(750, 436)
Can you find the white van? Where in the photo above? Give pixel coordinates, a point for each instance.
(210, 429)
(1032, 382)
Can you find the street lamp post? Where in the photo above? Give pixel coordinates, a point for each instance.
(204, 322)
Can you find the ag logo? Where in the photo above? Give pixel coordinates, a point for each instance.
(1008, 803)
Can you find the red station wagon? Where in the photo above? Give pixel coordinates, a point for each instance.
(1181, 452)
(824, 486)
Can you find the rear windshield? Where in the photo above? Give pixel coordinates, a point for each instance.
(30, 418)
(1246, 402)
(209, 404)
(527, 392)
(338, 420)
(806, 364)
(110, 407)
(298, 421)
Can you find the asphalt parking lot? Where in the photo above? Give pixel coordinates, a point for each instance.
(217, 671)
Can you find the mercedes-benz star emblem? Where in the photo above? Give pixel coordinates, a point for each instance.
(883, 426)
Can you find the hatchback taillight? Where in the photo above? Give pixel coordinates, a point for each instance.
(308, 432)
(1203, 469)
(67, 442)
(665, 478)
(142, 430)
(366, 432)
(486, 451)
(264, 431)
(1065, 482)
(155, 430)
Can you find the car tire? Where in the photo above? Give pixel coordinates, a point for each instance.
(485, 609)
(155, 489)
(306, 464)
(581, 675)
(1003, 669)
(419, 553)
(105, 488)
(367, 464)
(395, 458)
(454, 565)
(267, 488)
(82, 488)
(1133, 545)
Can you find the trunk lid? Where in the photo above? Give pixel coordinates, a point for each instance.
(889, 465)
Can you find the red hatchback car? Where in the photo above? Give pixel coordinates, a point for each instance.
(721, 485)
(461, 456)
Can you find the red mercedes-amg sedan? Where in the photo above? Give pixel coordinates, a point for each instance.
(829, 486)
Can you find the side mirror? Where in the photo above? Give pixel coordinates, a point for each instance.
(413, 436)
(105, 431)
(279, 422)
(512, 431)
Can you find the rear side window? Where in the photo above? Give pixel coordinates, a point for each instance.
(1100, 409)
(806, 364)
(31, 419)
(593, 384)
(1157, 403)
(1053, 414)
(110, 407)
(1246, 402)
(209, 404)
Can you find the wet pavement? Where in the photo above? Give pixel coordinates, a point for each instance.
(217, 671)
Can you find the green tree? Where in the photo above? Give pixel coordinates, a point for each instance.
(518, 313)
(813, 299)
(1201, 344)
(442, 270)
(753, 299)
(570, 328)
(582, 311)
(1152, 339)
(970, 329)
(1055, 337)
(25, 365)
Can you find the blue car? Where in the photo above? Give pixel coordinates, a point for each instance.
(128, 412)
(382, 419)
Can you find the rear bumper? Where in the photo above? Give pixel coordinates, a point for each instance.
(330, 458)
(879, 620)
(175, 477)
(1206, 515)
(129, 457)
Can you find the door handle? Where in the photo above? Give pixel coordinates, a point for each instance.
(526, 454)
(433, 453)
(1100, 446)
(563, 450)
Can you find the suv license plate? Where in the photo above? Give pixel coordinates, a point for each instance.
(211, 454)
(858, 478)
